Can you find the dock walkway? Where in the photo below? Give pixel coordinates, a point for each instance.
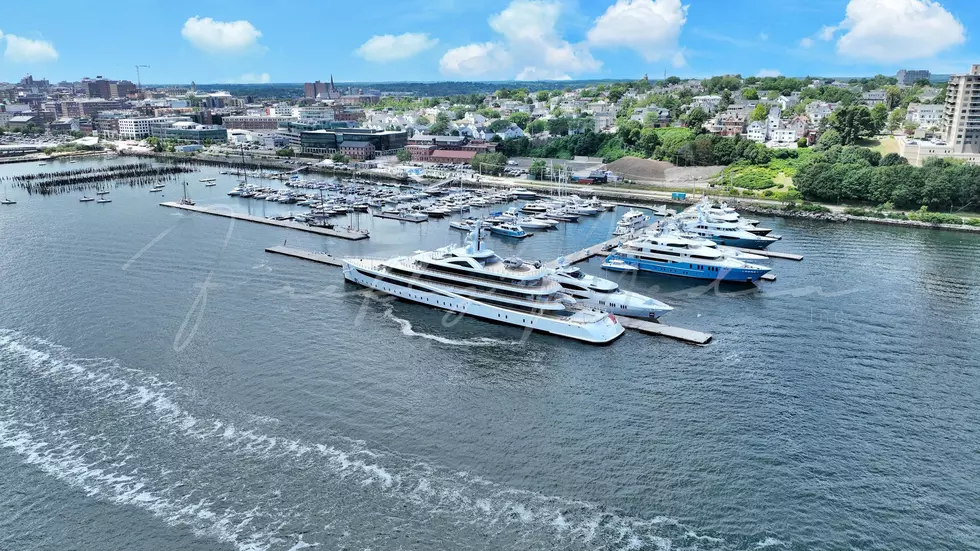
(657, 328)
(772, 254)
(322, 258)
(341, 233)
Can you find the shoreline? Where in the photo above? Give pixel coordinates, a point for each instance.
(762, 207)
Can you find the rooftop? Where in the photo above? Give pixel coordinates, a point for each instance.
(453, 154)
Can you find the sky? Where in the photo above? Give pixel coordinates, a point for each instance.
(250, 41)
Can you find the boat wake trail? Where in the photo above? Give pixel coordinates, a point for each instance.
(408, 331)
(124, 436)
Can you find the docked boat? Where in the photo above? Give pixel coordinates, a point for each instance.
(509, 230)
(522, 193)
(630, 222)
(727, 233)
(103, 192)
(86, 199)
(103, 200)
(616, 265)
(210, 184)
(156, 189)
(535, 223)
(186, 200)
(206, 180)
(403, 215)
(7, 200)
(605, 295)
(436, 211)
(677, 256)
(473, 280)
(466, 224)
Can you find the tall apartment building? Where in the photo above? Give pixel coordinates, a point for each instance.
(907, 77)
(961, 113)
(107, 89)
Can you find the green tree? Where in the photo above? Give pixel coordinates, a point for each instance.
(630, 132)
(893, 96)
(879, 117)
(801, 143)
(829, 139)
(538, 169)
(893, 159)
(649, 140)
(895, 119)
(489, 163)
(285, 152)
(339, 158)
(441, 125)
(537, 126)
(558, 126)
(759, 113)
(499, 125)
(520, 119)
(403, 155)
(910, 127)
(750, 94)
(696, 119)
(542, 95)
(422, 120)
(726, 100)
(852, 123)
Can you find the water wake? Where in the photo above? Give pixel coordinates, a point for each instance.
(408, 331)
(130, 438)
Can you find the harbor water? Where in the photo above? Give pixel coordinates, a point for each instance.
(166, 384)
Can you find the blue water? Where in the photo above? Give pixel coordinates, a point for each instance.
(166, 384)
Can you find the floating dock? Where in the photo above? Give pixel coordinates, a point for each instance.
(595, 250)
(341, 233)
(657, 328)
(772, 254)
(322, 258)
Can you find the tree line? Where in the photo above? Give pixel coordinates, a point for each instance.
(851, 173)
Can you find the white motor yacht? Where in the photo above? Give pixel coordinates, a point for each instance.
(473, 280)
(607, 296)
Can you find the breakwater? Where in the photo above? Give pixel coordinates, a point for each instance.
(66, 181)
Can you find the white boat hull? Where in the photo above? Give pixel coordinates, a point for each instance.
(362, 273)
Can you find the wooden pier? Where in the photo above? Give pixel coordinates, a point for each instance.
(397, 217)
(312, 256)
(772, 254)
(657, 328)
(341, 233)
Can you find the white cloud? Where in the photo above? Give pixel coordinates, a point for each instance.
(827, 32)
(806, 42)
(650, 27)
(897, 30)
(677, 60)
(386, 47)
(252, 78)
(529, 45)
(25, 50)
(763, 36)
(220, 37)
(763, 73)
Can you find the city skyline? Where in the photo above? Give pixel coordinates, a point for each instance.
(215, 42)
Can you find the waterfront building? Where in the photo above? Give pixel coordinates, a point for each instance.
(925, 115)
(961, 113)
(254, 122)
(187, 131)
(327, 141)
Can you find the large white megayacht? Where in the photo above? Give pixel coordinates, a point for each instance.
(473, 280)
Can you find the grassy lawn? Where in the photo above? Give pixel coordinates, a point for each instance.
(884, 145)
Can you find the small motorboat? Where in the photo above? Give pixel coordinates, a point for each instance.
(86, 199)
(103, 200)
(210, 184)
(509, 230)
(617, 265)
(102, 193)
(156, 189)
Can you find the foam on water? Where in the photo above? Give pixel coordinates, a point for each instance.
(59, 445)
(408, 331)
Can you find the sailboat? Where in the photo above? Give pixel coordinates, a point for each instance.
(6, 200)
(185, 200)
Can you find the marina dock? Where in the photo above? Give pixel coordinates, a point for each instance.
(657, 328)
(341, 233)
(772, 254)
(595, 250)
(322, 258)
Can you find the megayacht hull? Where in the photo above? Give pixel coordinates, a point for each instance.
(362, 273)
(696, 271)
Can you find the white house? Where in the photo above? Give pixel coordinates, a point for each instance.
(783, 135)
(708, 103)
(874, 97)
(925, 114)
(817, 111)
(773, 119)
(604, 121)
(757, 132)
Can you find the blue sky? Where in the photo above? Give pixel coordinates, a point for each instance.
(223, 41)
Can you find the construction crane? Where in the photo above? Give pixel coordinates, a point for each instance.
(139, 85)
